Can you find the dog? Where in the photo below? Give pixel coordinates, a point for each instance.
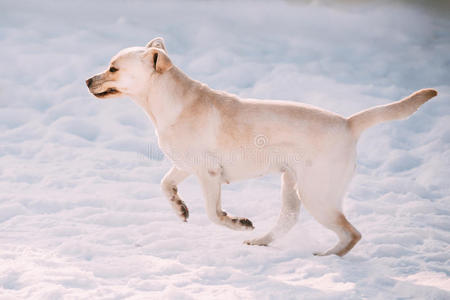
(221, 138)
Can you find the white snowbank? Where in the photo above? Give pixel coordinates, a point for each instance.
(81, 212)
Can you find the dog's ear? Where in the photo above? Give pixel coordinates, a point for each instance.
(157, 43)
(158, 59)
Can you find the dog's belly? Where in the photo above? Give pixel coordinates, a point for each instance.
(235, 165)
(246, 170)
(255, 162)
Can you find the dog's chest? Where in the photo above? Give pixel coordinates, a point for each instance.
(186, 149)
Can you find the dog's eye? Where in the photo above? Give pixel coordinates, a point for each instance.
(112, 69)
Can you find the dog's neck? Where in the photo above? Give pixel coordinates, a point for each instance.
(168, 95)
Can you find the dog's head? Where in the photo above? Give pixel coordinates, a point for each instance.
(131, 70)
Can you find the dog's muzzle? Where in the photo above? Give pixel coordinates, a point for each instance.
(107, 92)
(89, 82)
(110, 91)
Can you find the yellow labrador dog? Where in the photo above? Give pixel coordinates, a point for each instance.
(221, 138)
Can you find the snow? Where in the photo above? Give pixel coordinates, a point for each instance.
(81, 212)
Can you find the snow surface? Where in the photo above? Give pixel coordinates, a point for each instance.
(81, 212)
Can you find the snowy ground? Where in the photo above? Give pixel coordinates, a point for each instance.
(81, 213)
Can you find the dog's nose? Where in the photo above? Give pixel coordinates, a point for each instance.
(89, 82)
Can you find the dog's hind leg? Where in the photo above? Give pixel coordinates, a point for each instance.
(290, 209)
(322, 191)
(347, 234)
(169, 187)
(323, 200)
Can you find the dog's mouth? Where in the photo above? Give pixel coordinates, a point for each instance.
(110, 91)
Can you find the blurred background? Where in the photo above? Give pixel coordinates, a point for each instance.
(81, 213)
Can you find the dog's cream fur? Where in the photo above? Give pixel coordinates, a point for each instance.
(220, 139)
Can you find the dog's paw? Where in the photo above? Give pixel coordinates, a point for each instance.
(262, 241)
(255, 242)
(235, 223)
(180, 208)
(242, 223)
(326, 253)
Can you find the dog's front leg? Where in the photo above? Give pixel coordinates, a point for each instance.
(211, 185)
(169, 187)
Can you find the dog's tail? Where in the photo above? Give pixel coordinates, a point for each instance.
(393, 111)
